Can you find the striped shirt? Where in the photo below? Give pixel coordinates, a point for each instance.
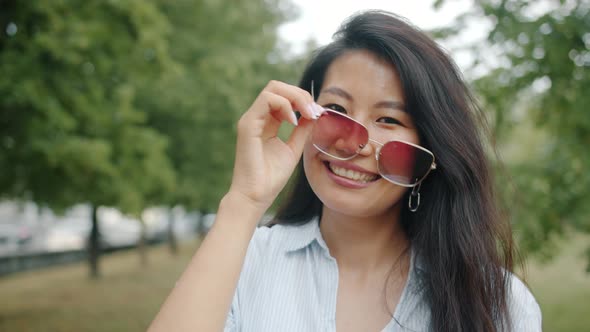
(289, 282)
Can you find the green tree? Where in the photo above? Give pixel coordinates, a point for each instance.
(130, 104)
(536, 89)
(70, 130)
(228, 51)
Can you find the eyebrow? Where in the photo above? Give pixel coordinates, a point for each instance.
(396, 105)
(382, 104)
(339, 92)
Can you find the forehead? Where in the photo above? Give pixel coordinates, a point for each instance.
(364, 75)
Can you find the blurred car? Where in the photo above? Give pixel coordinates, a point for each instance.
(67, 235)
(14, 237)
(207, 221)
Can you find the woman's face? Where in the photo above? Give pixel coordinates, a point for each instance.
(367, 89)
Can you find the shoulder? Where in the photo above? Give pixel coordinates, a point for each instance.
(284, 237)
(263, 241)
(269, 238)
(262, 238)
(269, 255)
(269, 244)
(525, 312)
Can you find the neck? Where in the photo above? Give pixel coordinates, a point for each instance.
(364, 243)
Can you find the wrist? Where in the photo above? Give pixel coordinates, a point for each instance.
(237, 197)
(241, 208)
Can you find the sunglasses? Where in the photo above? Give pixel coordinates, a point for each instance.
(342, 137)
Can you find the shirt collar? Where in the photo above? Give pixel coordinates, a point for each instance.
(301, 236)
(297, 237)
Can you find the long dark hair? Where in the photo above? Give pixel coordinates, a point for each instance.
(457, 233)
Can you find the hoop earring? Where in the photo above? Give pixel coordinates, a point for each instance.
(414, 194)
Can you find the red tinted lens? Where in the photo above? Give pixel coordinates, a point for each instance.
(403, 163)
(339, 136)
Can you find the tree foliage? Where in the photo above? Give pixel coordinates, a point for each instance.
(228, 51)
(537, 76)
(71, 131)
(68, 102)
(111, 102)
(129, 104)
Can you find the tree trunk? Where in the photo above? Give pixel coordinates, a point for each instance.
(142, 245)
(94, 245)
(173, 245)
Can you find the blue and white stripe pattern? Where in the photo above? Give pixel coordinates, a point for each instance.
(289, 283)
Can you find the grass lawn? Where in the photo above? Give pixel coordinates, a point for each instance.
(128, 297)
(562, 287)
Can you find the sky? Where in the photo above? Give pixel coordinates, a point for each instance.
(319, 19)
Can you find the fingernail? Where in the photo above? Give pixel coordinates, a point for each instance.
(319, 110)
(294, 119)
(312, 110)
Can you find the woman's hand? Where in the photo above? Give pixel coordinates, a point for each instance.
(264, 162)
(263, 166)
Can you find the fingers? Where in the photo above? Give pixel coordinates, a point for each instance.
(282, 106)
(281, 100)
(266, 113)
(276, 103)
(299, 136)
(300, 99)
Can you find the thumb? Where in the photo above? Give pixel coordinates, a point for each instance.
(299, 136)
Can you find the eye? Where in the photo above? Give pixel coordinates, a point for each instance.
(389, 121)
(336, 107)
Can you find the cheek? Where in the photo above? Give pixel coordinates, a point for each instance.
(409, 135)
(314, 169)
(309, 153)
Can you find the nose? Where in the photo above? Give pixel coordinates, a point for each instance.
(347, 147)
(368, 150)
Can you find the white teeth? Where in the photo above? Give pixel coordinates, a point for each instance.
(353, 175)
(350, 174)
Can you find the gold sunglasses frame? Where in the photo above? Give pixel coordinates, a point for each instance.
(377, 151)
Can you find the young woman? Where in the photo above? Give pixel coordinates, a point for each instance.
(391, 224)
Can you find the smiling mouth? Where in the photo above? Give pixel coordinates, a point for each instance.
(352, 175)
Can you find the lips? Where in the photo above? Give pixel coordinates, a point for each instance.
(347, 171)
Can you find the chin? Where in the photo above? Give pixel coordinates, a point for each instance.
(353, 207)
